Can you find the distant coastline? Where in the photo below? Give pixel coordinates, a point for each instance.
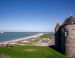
(21, 39)
(8, 36)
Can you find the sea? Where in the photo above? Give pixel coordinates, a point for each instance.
(8, 36)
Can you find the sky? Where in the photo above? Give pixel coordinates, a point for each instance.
(34, 15)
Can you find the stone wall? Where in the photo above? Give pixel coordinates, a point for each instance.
(70, 41)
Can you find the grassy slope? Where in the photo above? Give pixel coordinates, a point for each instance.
(47, 36)
(37, 52)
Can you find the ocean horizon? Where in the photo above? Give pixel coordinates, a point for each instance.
(8, 36)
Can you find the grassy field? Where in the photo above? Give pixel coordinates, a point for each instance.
(47, 36)
(30, 52)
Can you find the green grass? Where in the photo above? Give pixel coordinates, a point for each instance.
(49, 36)
(30, 52)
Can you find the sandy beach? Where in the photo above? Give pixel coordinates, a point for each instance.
(21, 39)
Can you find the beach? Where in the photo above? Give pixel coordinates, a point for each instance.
(20, 39)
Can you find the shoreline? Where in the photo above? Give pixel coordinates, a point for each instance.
(21, 39)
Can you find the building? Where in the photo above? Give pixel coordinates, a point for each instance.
(65, 37)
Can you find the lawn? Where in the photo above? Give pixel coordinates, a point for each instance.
(30, 52)
(46, 36)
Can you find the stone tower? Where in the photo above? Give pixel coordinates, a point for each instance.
(57, 27)
(65, 37)
(69, 26)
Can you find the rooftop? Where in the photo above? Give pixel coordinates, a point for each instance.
(70, 20)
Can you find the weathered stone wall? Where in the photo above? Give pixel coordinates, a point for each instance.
(70, 41)
(63, 40)
(58, 39)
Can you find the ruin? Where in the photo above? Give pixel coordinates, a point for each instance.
(65, 37)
